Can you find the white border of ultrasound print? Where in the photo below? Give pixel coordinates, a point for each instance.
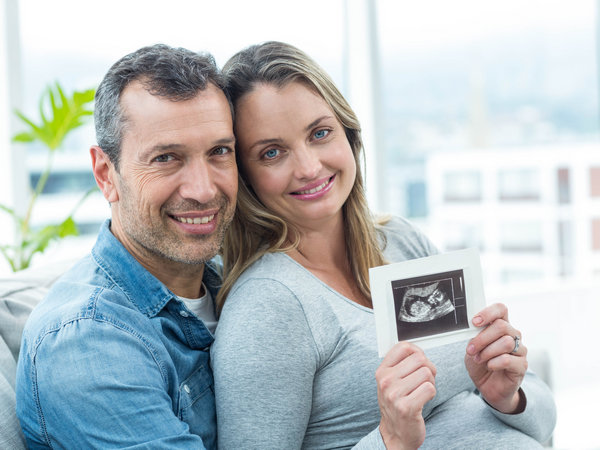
(383, 300)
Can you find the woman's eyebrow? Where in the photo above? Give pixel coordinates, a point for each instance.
(265, 142)
(316, 122)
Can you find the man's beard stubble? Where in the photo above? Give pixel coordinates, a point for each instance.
(170, 246)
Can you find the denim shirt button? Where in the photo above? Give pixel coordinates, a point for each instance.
(186, 388)
(183, 313)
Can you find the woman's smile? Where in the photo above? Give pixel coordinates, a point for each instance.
(309, 192)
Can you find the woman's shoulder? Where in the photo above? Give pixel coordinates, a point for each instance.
(402, 240)
(270, 269)
(277, 294)
(396, 224)
(276, 286)
(273, 282)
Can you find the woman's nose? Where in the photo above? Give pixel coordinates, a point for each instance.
(308, 163)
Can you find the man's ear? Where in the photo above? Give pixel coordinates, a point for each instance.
(104, 173)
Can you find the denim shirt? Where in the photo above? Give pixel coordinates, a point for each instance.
(111, 358)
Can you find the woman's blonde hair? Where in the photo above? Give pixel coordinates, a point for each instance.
(256, 230)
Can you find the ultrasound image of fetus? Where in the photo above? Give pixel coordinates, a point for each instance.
(424, 302)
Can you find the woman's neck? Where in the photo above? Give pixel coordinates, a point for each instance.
(323, 252)
(322, 246)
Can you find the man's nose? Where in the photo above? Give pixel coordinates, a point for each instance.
(197, 182)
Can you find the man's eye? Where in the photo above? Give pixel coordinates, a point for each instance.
(321, 134)
(163, 158)
(271, 153)
(221, 151)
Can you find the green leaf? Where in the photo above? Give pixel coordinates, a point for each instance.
(40, 240)
(68, 228)
(23, 137)
(4, 249)
(18, 220)
(59, 115)
(84, 97)
(8, 210)
(13, 214)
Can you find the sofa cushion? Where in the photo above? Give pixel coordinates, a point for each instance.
(19, 293)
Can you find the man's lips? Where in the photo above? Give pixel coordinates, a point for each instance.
(195, 219)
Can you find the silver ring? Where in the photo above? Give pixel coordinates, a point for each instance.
(517, 340)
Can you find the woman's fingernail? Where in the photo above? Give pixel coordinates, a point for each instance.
(477, 320)
(470, 349)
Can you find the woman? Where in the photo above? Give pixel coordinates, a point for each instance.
(295, 358)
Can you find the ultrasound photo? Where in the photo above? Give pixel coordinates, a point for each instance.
(431, 304)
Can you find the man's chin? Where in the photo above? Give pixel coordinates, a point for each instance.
(191, 249)
(194, 258)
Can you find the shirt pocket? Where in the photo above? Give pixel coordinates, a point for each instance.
(197, 404)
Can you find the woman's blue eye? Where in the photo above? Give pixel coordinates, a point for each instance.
(321, 134)
(271, 153)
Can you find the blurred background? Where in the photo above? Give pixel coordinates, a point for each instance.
(480, 119)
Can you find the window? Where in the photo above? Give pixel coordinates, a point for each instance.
(518, 184)
(595, 181)
(564, 185)
(521, 237)
(596, 234)
(565, 247)
(462, 186)
(459, 236)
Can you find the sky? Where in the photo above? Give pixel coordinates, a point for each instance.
(76, 41)
(114, 27)
(109, 28)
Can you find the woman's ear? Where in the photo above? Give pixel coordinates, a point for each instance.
(104, 173)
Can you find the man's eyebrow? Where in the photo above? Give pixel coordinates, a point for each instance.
(226, 141)
(164, 147)
(159, 148)
(174, 146)
(316, 122)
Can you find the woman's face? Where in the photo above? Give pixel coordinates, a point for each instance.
(294, 153)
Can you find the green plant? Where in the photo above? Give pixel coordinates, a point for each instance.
(59, 115)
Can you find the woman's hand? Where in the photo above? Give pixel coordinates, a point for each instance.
(494, 367)
(405, 382)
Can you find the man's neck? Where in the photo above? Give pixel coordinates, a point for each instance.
(184, 280)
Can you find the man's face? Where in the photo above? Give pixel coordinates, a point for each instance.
(177, 180)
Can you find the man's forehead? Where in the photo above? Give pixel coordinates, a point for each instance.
(155, 123)
(137, 98)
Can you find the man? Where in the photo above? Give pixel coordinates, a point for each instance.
(117, 354)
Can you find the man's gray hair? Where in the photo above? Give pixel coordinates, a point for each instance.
(174, 73)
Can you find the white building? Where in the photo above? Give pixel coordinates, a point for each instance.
(534, 213)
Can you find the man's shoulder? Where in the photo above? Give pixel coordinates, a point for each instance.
(74, 295)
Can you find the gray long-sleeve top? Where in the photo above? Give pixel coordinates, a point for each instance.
(294, 365)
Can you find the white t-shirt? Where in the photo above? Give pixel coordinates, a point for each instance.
(204, 308)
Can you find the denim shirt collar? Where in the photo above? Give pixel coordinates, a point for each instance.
(143, 289)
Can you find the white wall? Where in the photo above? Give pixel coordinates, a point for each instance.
(13, 175)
